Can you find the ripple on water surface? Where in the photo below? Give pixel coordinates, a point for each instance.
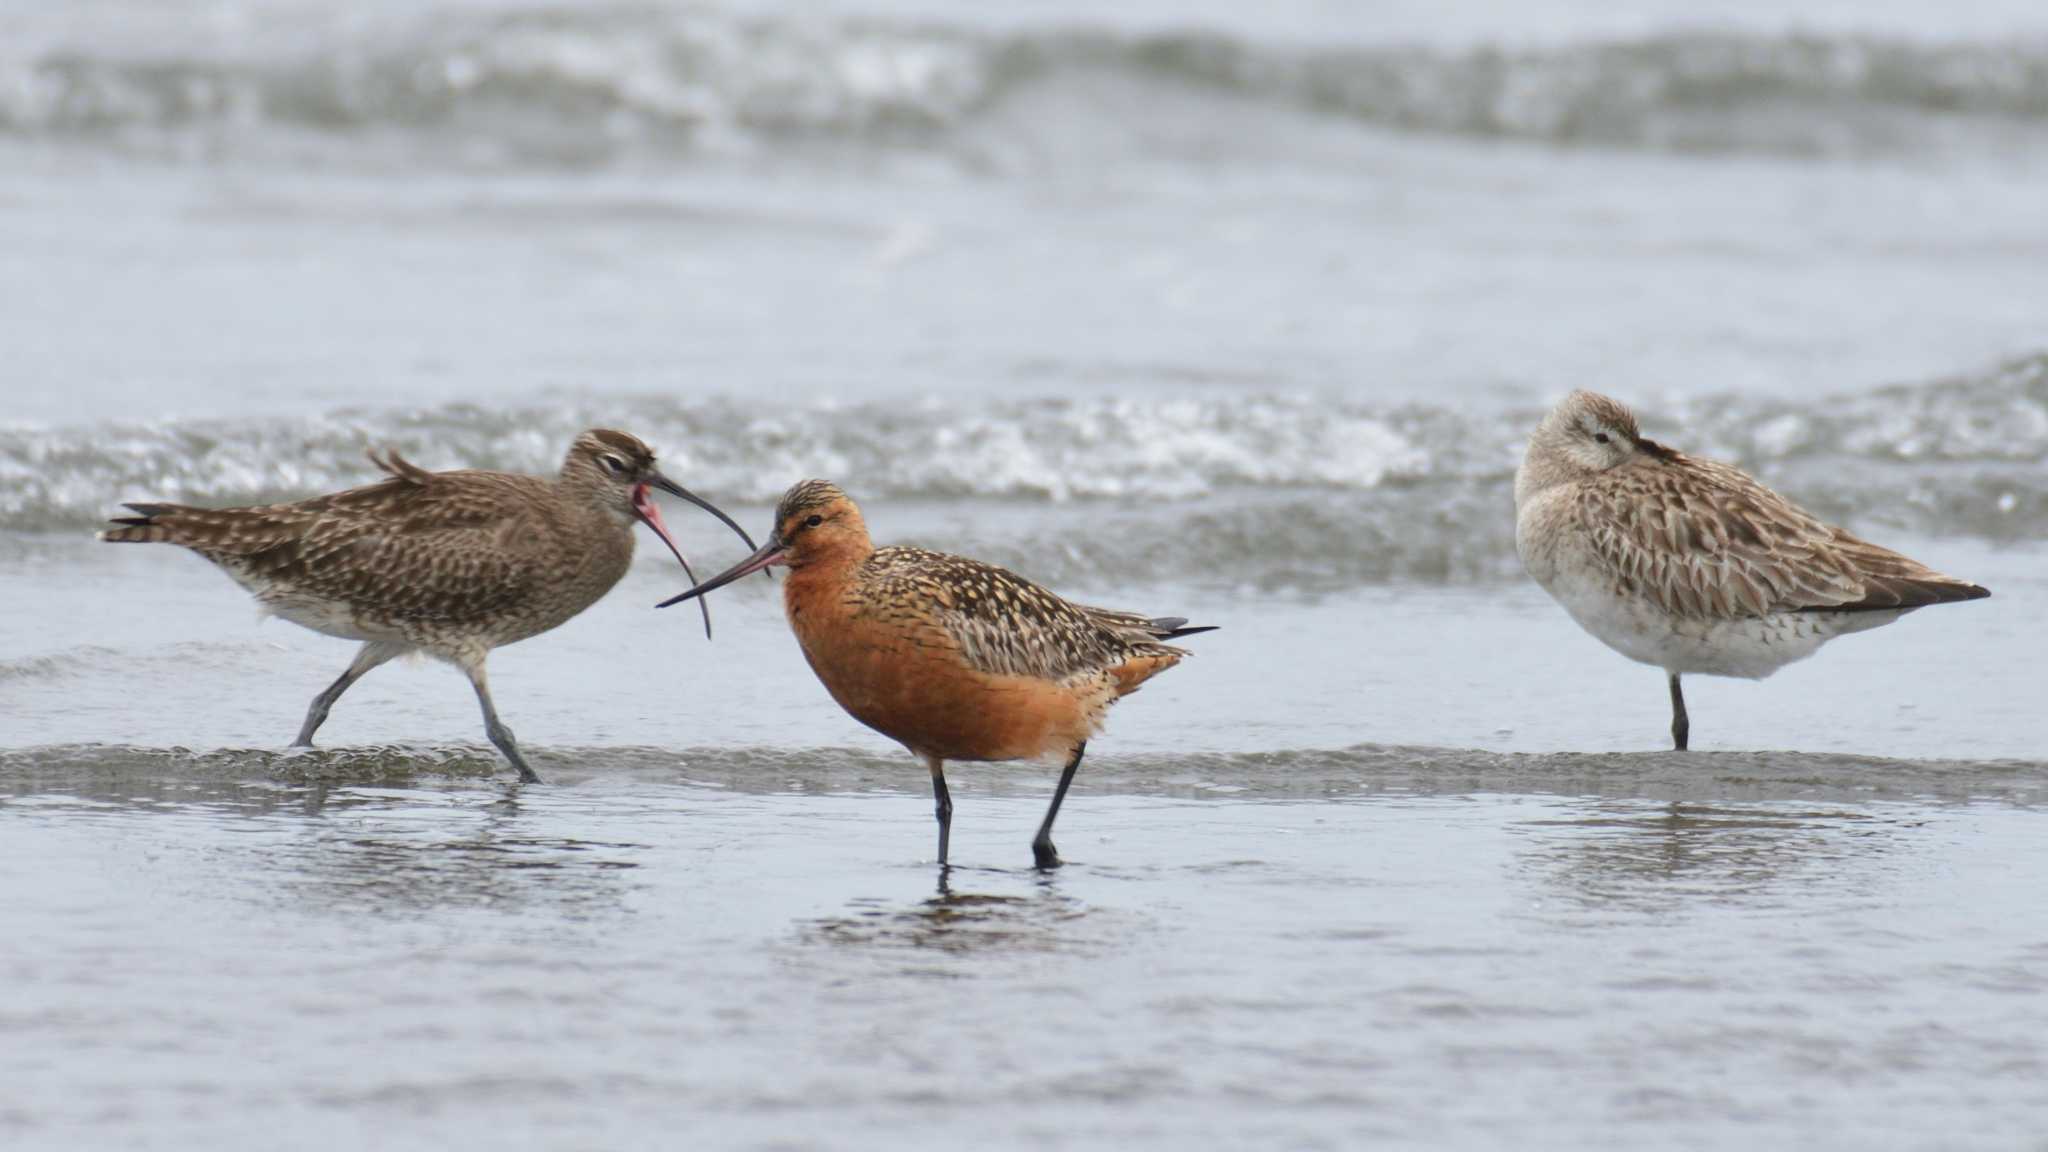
(1306, 948)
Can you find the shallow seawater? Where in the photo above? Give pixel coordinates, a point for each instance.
(1401, 864)
(1234, 311)
(1398, 865)
(1405, 945)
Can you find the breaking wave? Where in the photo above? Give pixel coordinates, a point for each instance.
(1284, 490)
(577, 86)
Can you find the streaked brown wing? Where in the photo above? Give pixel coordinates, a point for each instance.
(1000, 622)
(448, 548)
(1894, 581)
(1702, 539)
(451, 575)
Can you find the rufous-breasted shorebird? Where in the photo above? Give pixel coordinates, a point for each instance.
(1689, 564)
(952, 658)
(452, 564)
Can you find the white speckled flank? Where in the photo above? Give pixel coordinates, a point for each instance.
(1691, 565)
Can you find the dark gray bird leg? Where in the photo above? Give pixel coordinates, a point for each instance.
(942, 804)
(494, 727)
(1042, 850)
(367, 657)
(1680, 725)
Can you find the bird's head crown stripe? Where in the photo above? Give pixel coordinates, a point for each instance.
(807, 495)
(632, 448)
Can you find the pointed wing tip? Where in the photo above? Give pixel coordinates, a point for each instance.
(1905, 596)
(1953, 592)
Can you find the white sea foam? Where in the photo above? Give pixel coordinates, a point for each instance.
(578, 85)
(1318, 488)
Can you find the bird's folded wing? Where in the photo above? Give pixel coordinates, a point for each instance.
(449, 574)
(1000, 623)
(451, 549)
(1701, 539)
(1894, 581)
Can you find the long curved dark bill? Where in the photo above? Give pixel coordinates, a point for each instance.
(650, 515)
(773, 552)
(674, 489)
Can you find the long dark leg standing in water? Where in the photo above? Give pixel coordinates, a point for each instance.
(369, 656)
(942, 802)
(494, 727)
(1681, 726)
(1042, 850)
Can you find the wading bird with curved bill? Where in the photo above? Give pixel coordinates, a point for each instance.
(1689, 564)
(952, 658)
(452, 564)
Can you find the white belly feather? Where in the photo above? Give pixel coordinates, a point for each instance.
(318, 613)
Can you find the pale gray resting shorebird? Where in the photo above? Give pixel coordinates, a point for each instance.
(452, 564)
(1689, 564)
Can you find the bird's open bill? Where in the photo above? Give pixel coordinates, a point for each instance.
(650, 515)
(771, 553)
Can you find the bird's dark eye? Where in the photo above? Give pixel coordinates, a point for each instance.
(814, 521)
(613, 465)
(1600, 436)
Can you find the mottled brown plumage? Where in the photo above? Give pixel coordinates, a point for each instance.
(1704, 539)
(953, 658)
(1690, 564)
(452, 564)
(1002, 624)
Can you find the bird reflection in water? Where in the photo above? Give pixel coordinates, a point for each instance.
(1623, 853)
(387, 858)
(961, 922)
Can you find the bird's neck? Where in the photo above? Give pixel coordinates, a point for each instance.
(819, 578)
(1540, 471)
(593, 500)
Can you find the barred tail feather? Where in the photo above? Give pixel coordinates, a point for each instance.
(139, 533)
(146, 527)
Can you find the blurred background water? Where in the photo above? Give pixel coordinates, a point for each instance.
(1237, 311)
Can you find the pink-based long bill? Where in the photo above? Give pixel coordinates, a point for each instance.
(650, 515)
(771, 553)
